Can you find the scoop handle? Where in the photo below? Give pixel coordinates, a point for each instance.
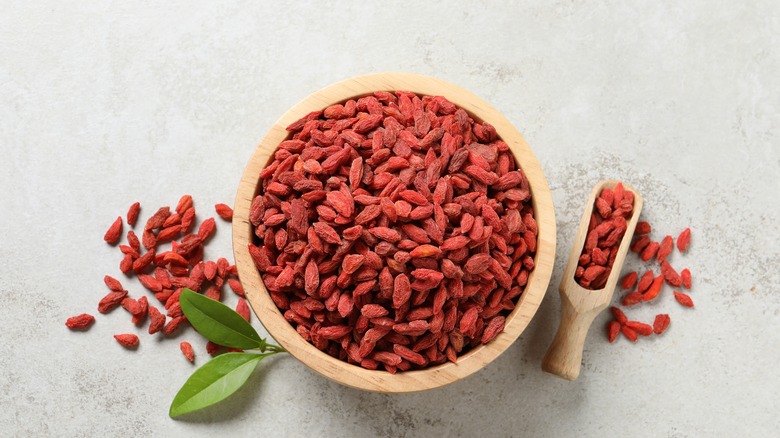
(564, 357)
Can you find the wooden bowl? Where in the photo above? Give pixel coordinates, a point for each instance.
(353, 375)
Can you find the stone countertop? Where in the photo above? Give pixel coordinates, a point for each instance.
(103, 104)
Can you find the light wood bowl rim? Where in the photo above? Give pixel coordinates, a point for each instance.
(352, 375)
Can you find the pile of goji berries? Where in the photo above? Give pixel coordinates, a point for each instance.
(649, 285)
(612, 208)
(165, 273)
(394, 231)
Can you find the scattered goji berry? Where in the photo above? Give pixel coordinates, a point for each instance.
(661, 323)
(187, 351)
(670, 275)
(640, 244)
(642, 227)
(173, 324)
(654, 289)
(80, 322)
(132, 213)
(112, 283)
(213, 349)
(181, 266)
(111, 300)
(684, 240)
(665, 248)
(683, 299)
(629, 333)
(628, 281)
(157, 320)
(645, 281)
(650, 251)
(649, 286)
(242, 308)
(613, 328)
(236, 286)
(224, 211)
(143, 310)
(127, 340)
(685, 275)
(632, 298)
(620, 317)
(640, 327)
(114, 232)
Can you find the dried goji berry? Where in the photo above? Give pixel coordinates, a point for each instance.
(640, 328)
(493, 328)
(629, 333)
(683, 299)
(131, 306)
(187, 351)
(650, 251)
(80, 322)
(642, 227)
(628, 281)
(618, 314)
(613, 328)
(654, 289)
(113, 283)
(631, 298)
(127, 340)
(665, 248)
(184, 204)
(213, 349)
(224, 211)
(640, 244)
(132, 213)
(114, 232)
(206, 229)
(670, 275)
(157, 320)
(168, 233)
(111, 300)
(158, 219)
(173, 324)
(660, 323)
(645, 281)
(477, 264)
(684, 240)
(141, 310)
(242, 308)
(685, 275)
(133, 241)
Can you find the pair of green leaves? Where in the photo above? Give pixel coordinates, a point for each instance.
(226, 373)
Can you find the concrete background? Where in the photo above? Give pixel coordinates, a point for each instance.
(106, 103)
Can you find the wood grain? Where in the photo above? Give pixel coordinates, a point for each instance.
(579, 306)
(349, 374)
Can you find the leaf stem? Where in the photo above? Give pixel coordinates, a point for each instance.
(275, 349)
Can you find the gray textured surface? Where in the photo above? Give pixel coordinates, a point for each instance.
(107, 103)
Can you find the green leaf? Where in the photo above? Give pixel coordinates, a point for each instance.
(218, 322)
(215, 381)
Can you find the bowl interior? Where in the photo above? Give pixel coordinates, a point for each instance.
(352, 375)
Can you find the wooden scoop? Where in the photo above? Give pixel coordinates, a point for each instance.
(579, 306)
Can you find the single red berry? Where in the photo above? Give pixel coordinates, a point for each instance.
(127, 340)
(187, 351)
(683, 299)
(613, 328)
(661, 323)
